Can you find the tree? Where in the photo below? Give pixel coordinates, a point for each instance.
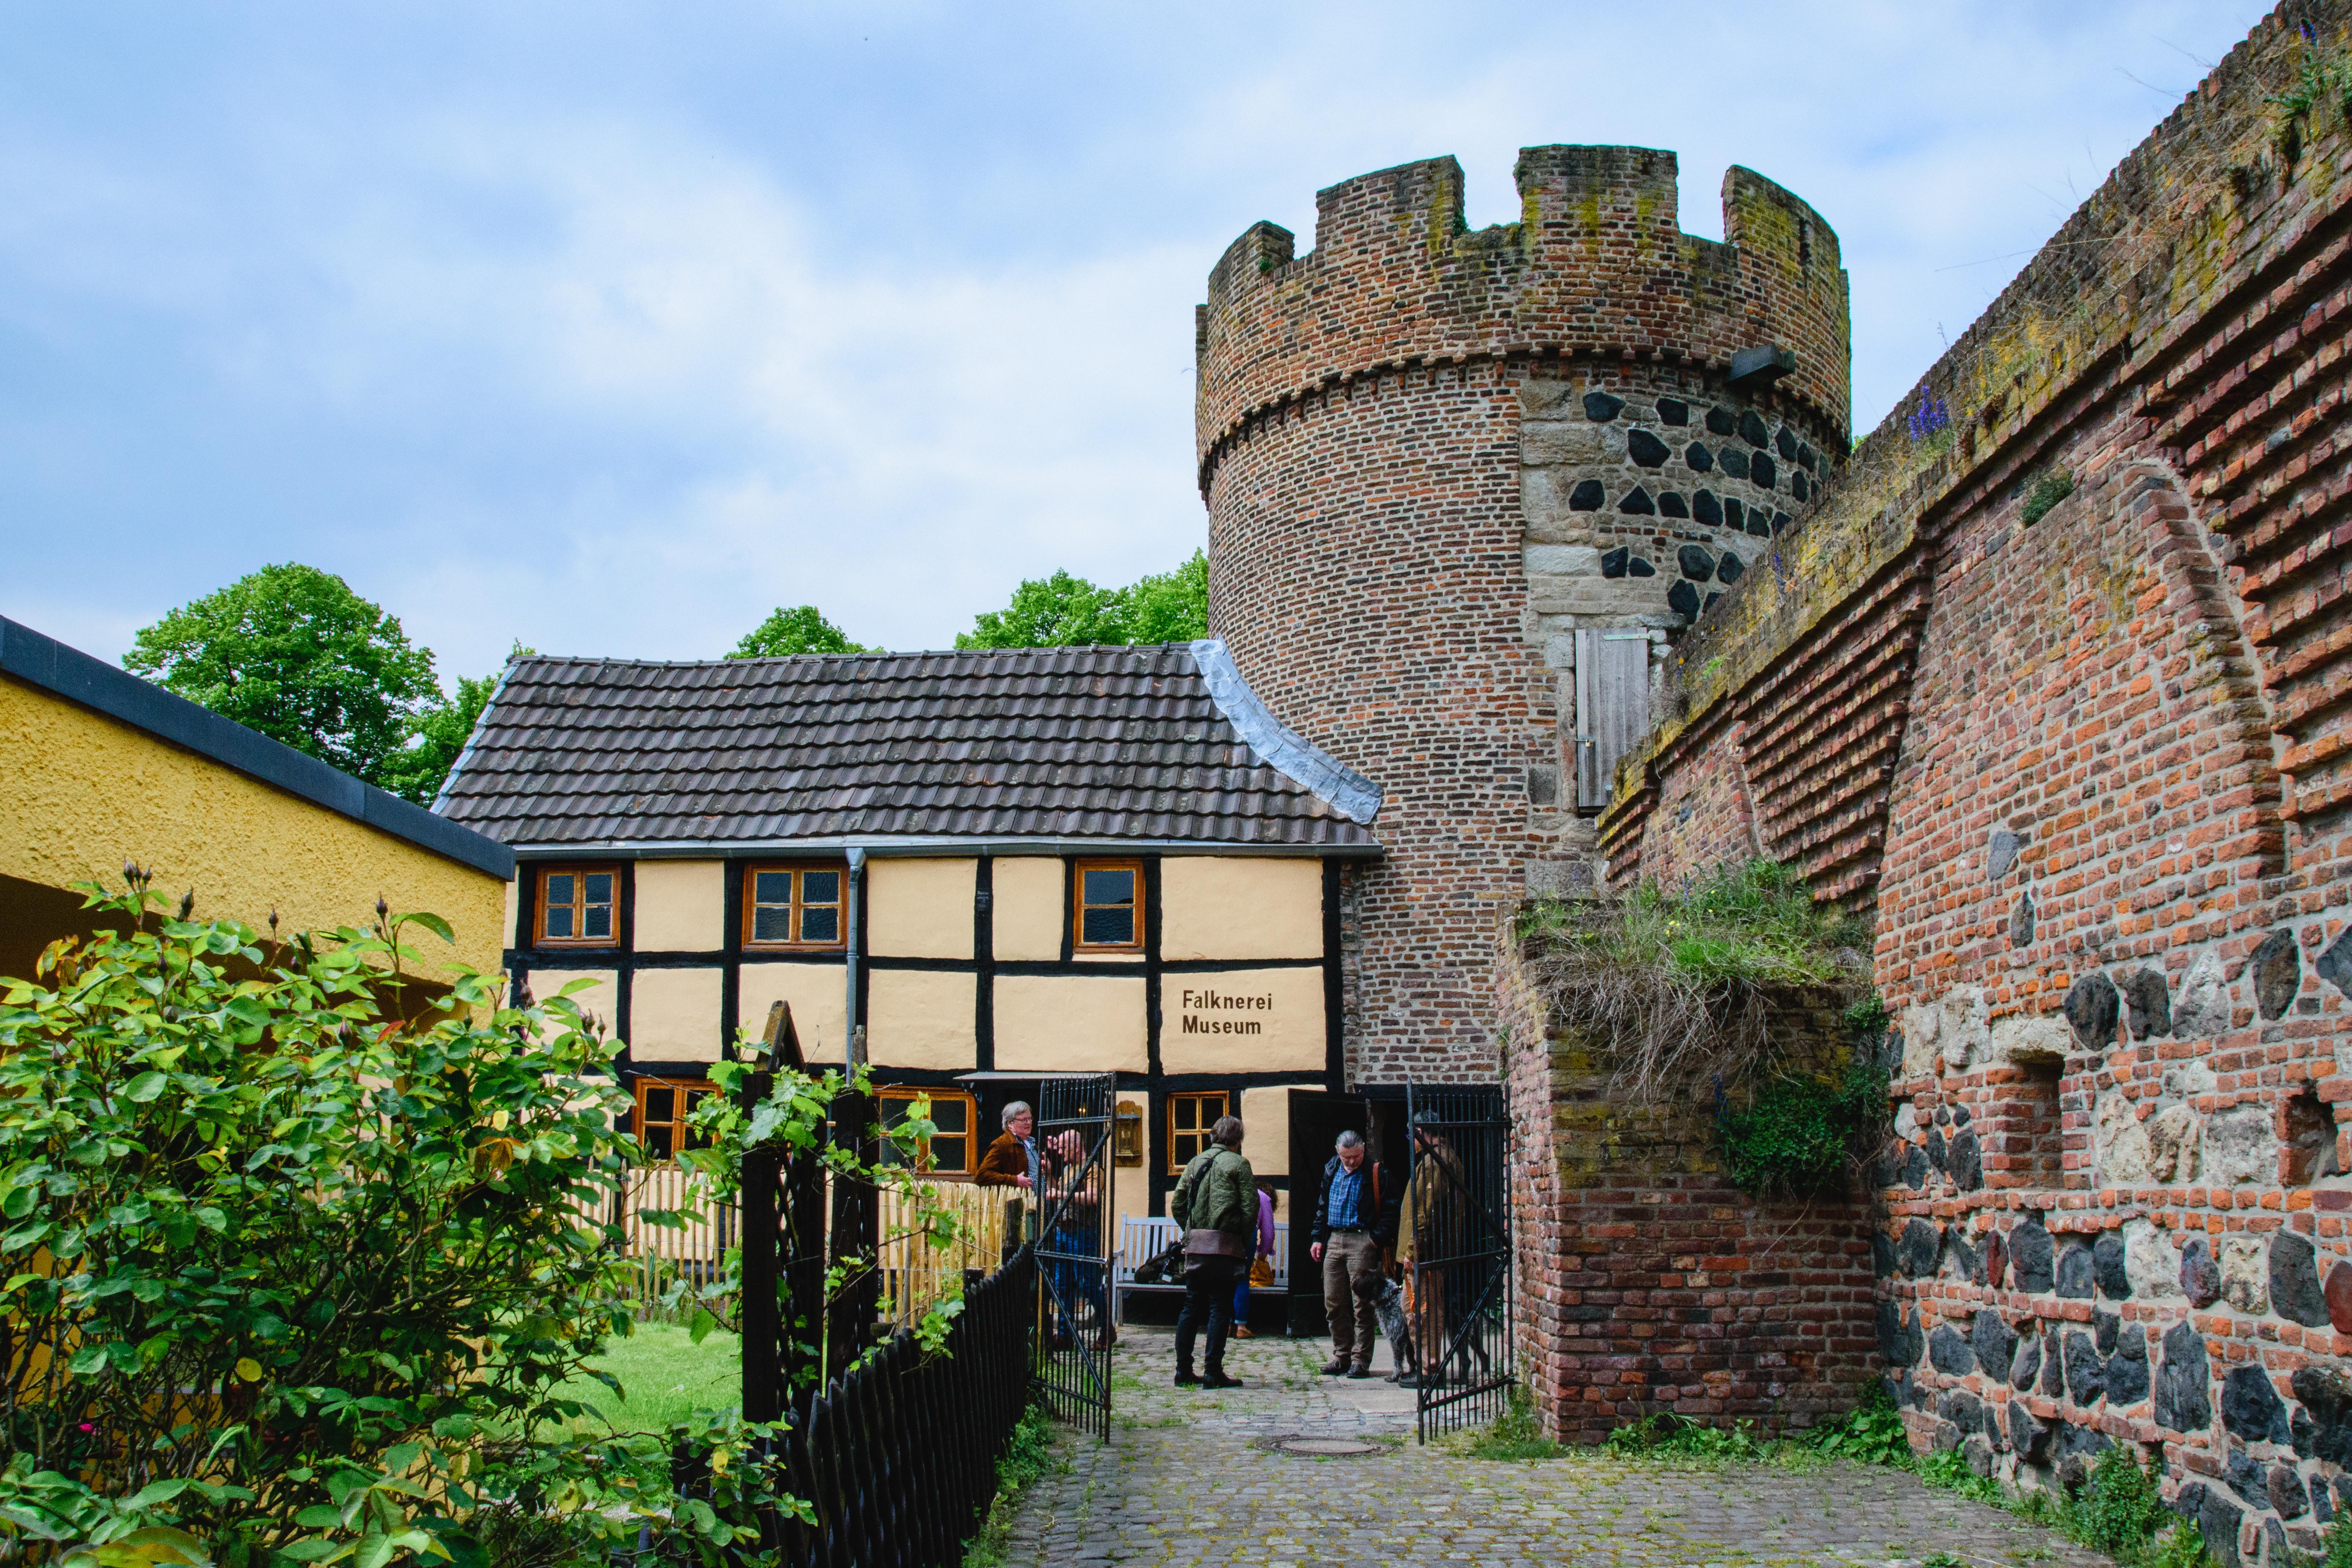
(801, 629)
(440, 735)
(292, 651)
(1062, 611)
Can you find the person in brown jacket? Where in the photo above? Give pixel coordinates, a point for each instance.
(1012, 1159)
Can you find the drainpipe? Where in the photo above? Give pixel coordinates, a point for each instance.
(853, 1039)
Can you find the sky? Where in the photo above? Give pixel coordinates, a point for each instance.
(605, 329)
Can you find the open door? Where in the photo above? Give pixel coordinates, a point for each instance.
(1317, 1120)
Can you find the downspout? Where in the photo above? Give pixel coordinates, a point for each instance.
(853, 1041)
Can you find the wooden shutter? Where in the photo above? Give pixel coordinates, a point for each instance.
(1612, 707)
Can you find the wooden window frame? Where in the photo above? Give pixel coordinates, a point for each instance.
(681, 1085)
(1175, 1165)
(884, 1093)
(1078, 907)
(539, 904)
(798, 869)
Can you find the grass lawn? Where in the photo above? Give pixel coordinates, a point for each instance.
(667, 1377)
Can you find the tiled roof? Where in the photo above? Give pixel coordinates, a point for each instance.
(1125, 743)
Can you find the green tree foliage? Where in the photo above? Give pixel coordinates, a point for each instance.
(441, 731)
(1062, 611)
(799, 629)
(292, 651)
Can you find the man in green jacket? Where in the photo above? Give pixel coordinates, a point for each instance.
(1215, 1206)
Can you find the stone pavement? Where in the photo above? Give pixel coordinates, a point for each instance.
(1189, 1478)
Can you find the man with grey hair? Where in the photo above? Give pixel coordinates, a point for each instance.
(1354, 1219)
(1011, 1160)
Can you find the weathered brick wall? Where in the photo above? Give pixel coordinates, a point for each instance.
(2089, 772)
(1647, 1282)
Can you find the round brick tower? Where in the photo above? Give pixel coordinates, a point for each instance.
(1463, 490)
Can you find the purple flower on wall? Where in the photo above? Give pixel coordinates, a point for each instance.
(1930, 416)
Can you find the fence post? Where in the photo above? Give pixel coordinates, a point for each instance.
(763, 1341)
(857, 1237)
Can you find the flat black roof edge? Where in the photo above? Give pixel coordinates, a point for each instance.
(75, 676)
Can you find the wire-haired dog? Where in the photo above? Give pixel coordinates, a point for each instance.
(1389, 1303)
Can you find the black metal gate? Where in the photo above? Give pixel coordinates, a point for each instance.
(1456, 1226)
(1075, 1216)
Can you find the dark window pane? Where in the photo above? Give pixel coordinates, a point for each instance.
(771, 887)
(820, 925)
(1108, 928)
(657, 1142)
(599, 922)
(1114, 887)
(947, 1154)
(820, 887)
(559, 919)
(559, 889)
(772, 924)
(949, 1115)
(661, 1105)
(599, 886)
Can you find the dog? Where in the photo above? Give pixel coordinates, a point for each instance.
(1388, 1304)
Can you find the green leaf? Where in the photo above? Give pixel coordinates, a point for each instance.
(704, 1321)
(146, 1087)
(313, 1550)
(374, 1551)
(148, 1496)
(87, 1361)
(433, 923)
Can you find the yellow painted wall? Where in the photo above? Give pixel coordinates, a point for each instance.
(1265, 1127)
(674, 1014)
(1289, 1033)
(920, 1018)
(82, 792)
(920, 908)
(603, 1001)
(1058, 1023)
(1027, 908)
(1222, 906)
(819, 998)
(681, 906)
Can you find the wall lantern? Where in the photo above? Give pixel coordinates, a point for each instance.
(1127, 1140)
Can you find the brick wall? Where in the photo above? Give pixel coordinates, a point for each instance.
(2093, 773)
(1648, 1282)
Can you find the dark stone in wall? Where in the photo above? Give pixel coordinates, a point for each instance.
(2181, 1402)
(1646, 449)
(2127, 1369)
(2026, 1435)
(2107, 1266)
(2287, 1493)
(1994, 1345)
(1799, 486)
(2217, 1521)
(2104, 1328)
(2251, 1408)
(1964, 1410)
(1950, 1352)
(1683, 600)
(1915, 1170)
(2149, 1004)
(1882, 1249)
(1696, 564)
(2074, 1272)
(2027, 1366)
(1964, 1257)
(1637, 503)
(1719, 421)
(1730, 568)
(1780, 521)
(1612, 562)
(1734, 515)
(2086, 1373)
(2030, 1255)
(1600, 407)
(1587, 496)
(1761, 471)
(1808, 456)
(2000, 854)
(1938, 1155)
(2294, 1281)
(2322, 1508)
(1752, 430)
(1706, 509)
(1733, 461)
(2335, 965)
(1670, 504)
(1890, 1334)
(2327, 1415)
(1966, 1162)
(1673, 411)
(1637, 567)
(2278, 974)
(2021, 921)
(1700, 459)
(2200, 1277)
(2092, 1008)
(2246, 1479)
(2074, 1448)
(1785, 443)
(2053, 1359)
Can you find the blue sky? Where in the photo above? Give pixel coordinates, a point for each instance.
(608, 328)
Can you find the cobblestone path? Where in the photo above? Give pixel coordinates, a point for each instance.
(1188, 1479)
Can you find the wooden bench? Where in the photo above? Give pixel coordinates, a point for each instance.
(1143, 1238)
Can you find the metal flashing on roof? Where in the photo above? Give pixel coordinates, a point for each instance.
(48, 664)
(922, 846)
(1283, 748)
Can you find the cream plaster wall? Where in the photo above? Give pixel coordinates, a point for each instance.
(674, 1014)
(1131, 1191)
(920, 1018)
(818, 993)
(1059, 1023)
(1290, 1033)
(920, 908)
(681, 906)
(1218, 906)
(514, 909)
(1026, 907)
(603, 1001)
(1265, 1126)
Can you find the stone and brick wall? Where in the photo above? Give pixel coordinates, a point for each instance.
(2090, 765)
(1431, 457)
(1647, 1282)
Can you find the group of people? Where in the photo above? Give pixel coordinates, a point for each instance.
(1366, 1228)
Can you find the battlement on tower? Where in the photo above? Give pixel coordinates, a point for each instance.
(1597, 267)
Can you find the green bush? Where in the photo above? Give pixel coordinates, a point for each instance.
(1514, 1437)
(1799, 1135)
(1870, 1432)
(1666, 1435)
(2119, 1509)
(2048, 491)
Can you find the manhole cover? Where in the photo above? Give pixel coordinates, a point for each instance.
(1326, 1446)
